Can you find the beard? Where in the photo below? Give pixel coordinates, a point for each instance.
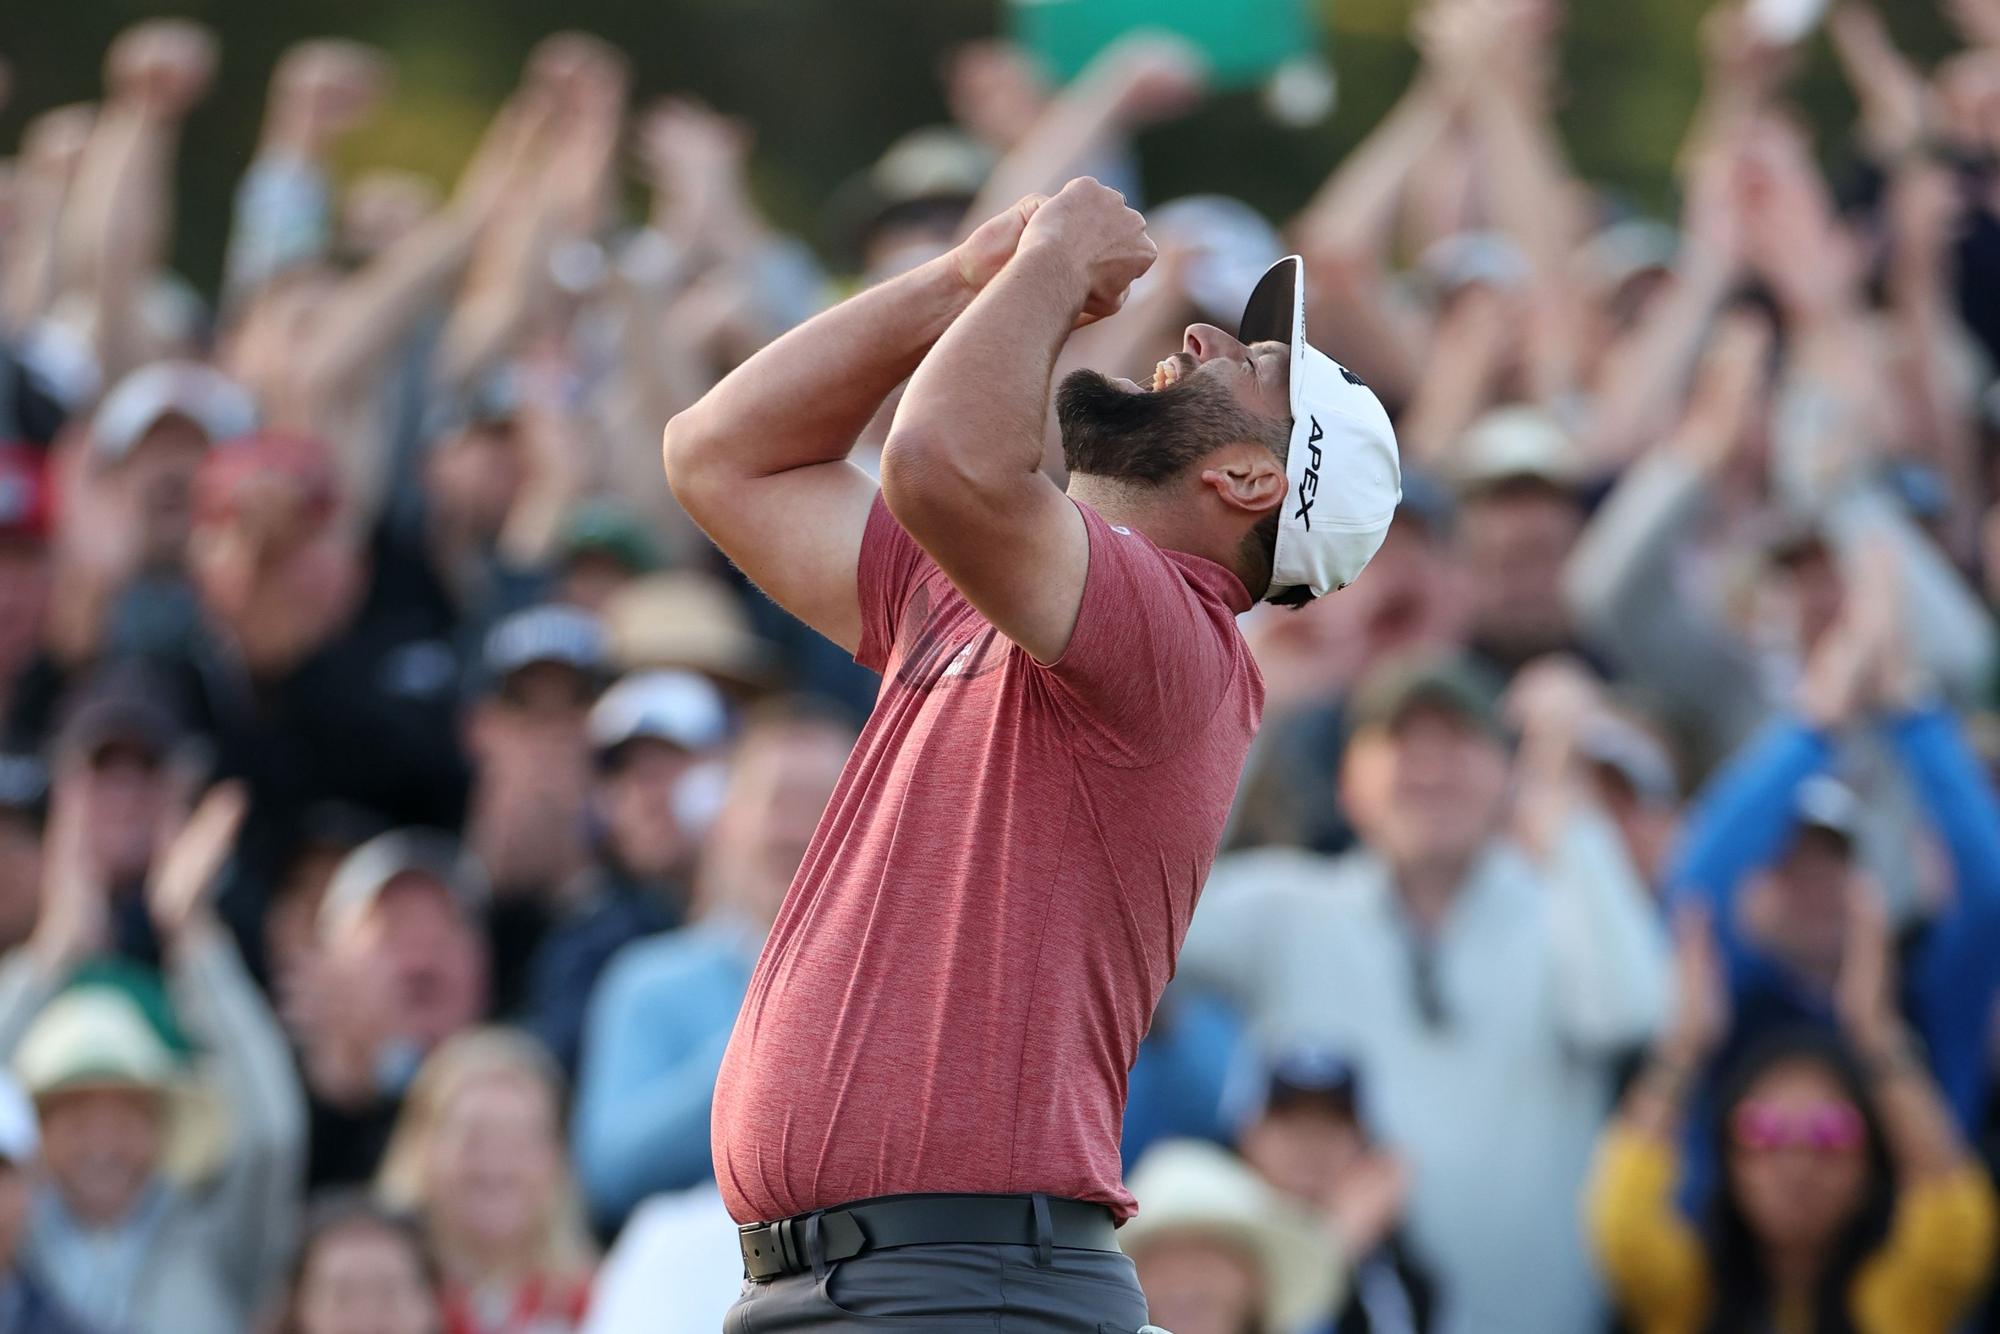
(1142, 437)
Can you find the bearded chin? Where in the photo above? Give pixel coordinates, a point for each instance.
(1115, 433)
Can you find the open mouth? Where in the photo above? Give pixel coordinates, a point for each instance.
(1169, 372)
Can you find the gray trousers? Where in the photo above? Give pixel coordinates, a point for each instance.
(951, 1289)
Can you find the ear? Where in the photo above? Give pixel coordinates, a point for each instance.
(1246, 477)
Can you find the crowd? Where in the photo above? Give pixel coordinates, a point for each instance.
(397, 789)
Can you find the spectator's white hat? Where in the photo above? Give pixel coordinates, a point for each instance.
(220, 407)
(1346, 478)
(1516, 442)
(20, 1136)
(365, 872)
(679, 708)
(1191, 1188)
(96, 1037)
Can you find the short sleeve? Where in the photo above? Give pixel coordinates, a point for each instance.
(1154, 653)
(888, 571)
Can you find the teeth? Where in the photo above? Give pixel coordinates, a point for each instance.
(1165, 374)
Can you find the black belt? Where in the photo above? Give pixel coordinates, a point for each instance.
(774, 1250)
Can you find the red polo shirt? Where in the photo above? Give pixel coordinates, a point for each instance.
(957, 984)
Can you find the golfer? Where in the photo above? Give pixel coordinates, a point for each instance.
(918, 1116)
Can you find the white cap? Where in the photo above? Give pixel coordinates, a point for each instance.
(680, 708)
(20, 1134)
(211, 400)
(1346, 479)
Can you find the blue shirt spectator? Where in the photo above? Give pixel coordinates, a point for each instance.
(1758, 814)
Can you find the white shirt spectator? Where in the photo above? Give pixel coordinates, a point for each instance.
(1487, 1054)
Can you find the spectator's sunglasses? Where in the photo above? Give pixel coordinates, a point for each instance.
(1827, 1128)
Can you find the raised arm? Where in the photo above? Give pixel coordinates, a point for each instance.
(284, 203)
(51, 151)
(961, 469)
(251, 1207)
(1140, 79)
(117, 224)
(1608, 955)
(760, 462)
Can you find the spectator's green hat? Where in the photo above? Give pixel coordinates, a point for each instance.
(606, 528)
(1395, 689)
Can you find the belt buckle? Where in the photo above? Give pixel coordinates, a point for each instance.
(763, 1246)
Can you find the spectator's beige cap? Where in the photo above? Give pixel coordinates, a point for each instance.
(94, 1038)
(1191, 1188)
(690, 622)
(1513, 443)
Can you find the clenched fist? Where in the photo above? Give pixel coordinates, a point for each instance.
(1089, 225)
(164, 65)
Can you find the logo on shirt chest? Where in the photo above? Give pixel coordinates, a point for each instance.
(944, 644)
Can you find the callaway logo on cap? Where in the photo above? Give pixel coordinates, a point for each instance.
(1345, 477)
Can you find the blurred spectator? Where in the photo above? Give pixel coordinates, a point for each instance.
(24, 799)
(113, 751)
(661, 1017)
(1770, 849)
(479, 1156)
(1518, 516)
(1454, 955)
(361, 1270)
(604, 546)
(526, 732)
(1847, 1198)
(677, 1268)
(1301, 1132)
(689, 622)
(1218, 1252)
(324, 667)
(401, 966)
(25, 517)
(1411, 602)
(25, 1304)
(657, 738)
(172, 1197)
(1179, 1082)
(291, 936)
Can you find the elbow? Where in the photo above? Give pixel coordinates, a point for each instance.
(934, 481)
(687, 452)
(918, 476)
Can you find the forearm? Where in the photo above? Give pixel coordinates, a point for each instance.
(1075, 131)
(1353, 212)
(253, 1065)
(30, 256)
(1652, 370)
(1923, 1139)
(975, 407)
(1609, 950)
(116, 226)
(1745, 816)
(1525, 174)
(1960, 799)
(373, 312)
(804, 399)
